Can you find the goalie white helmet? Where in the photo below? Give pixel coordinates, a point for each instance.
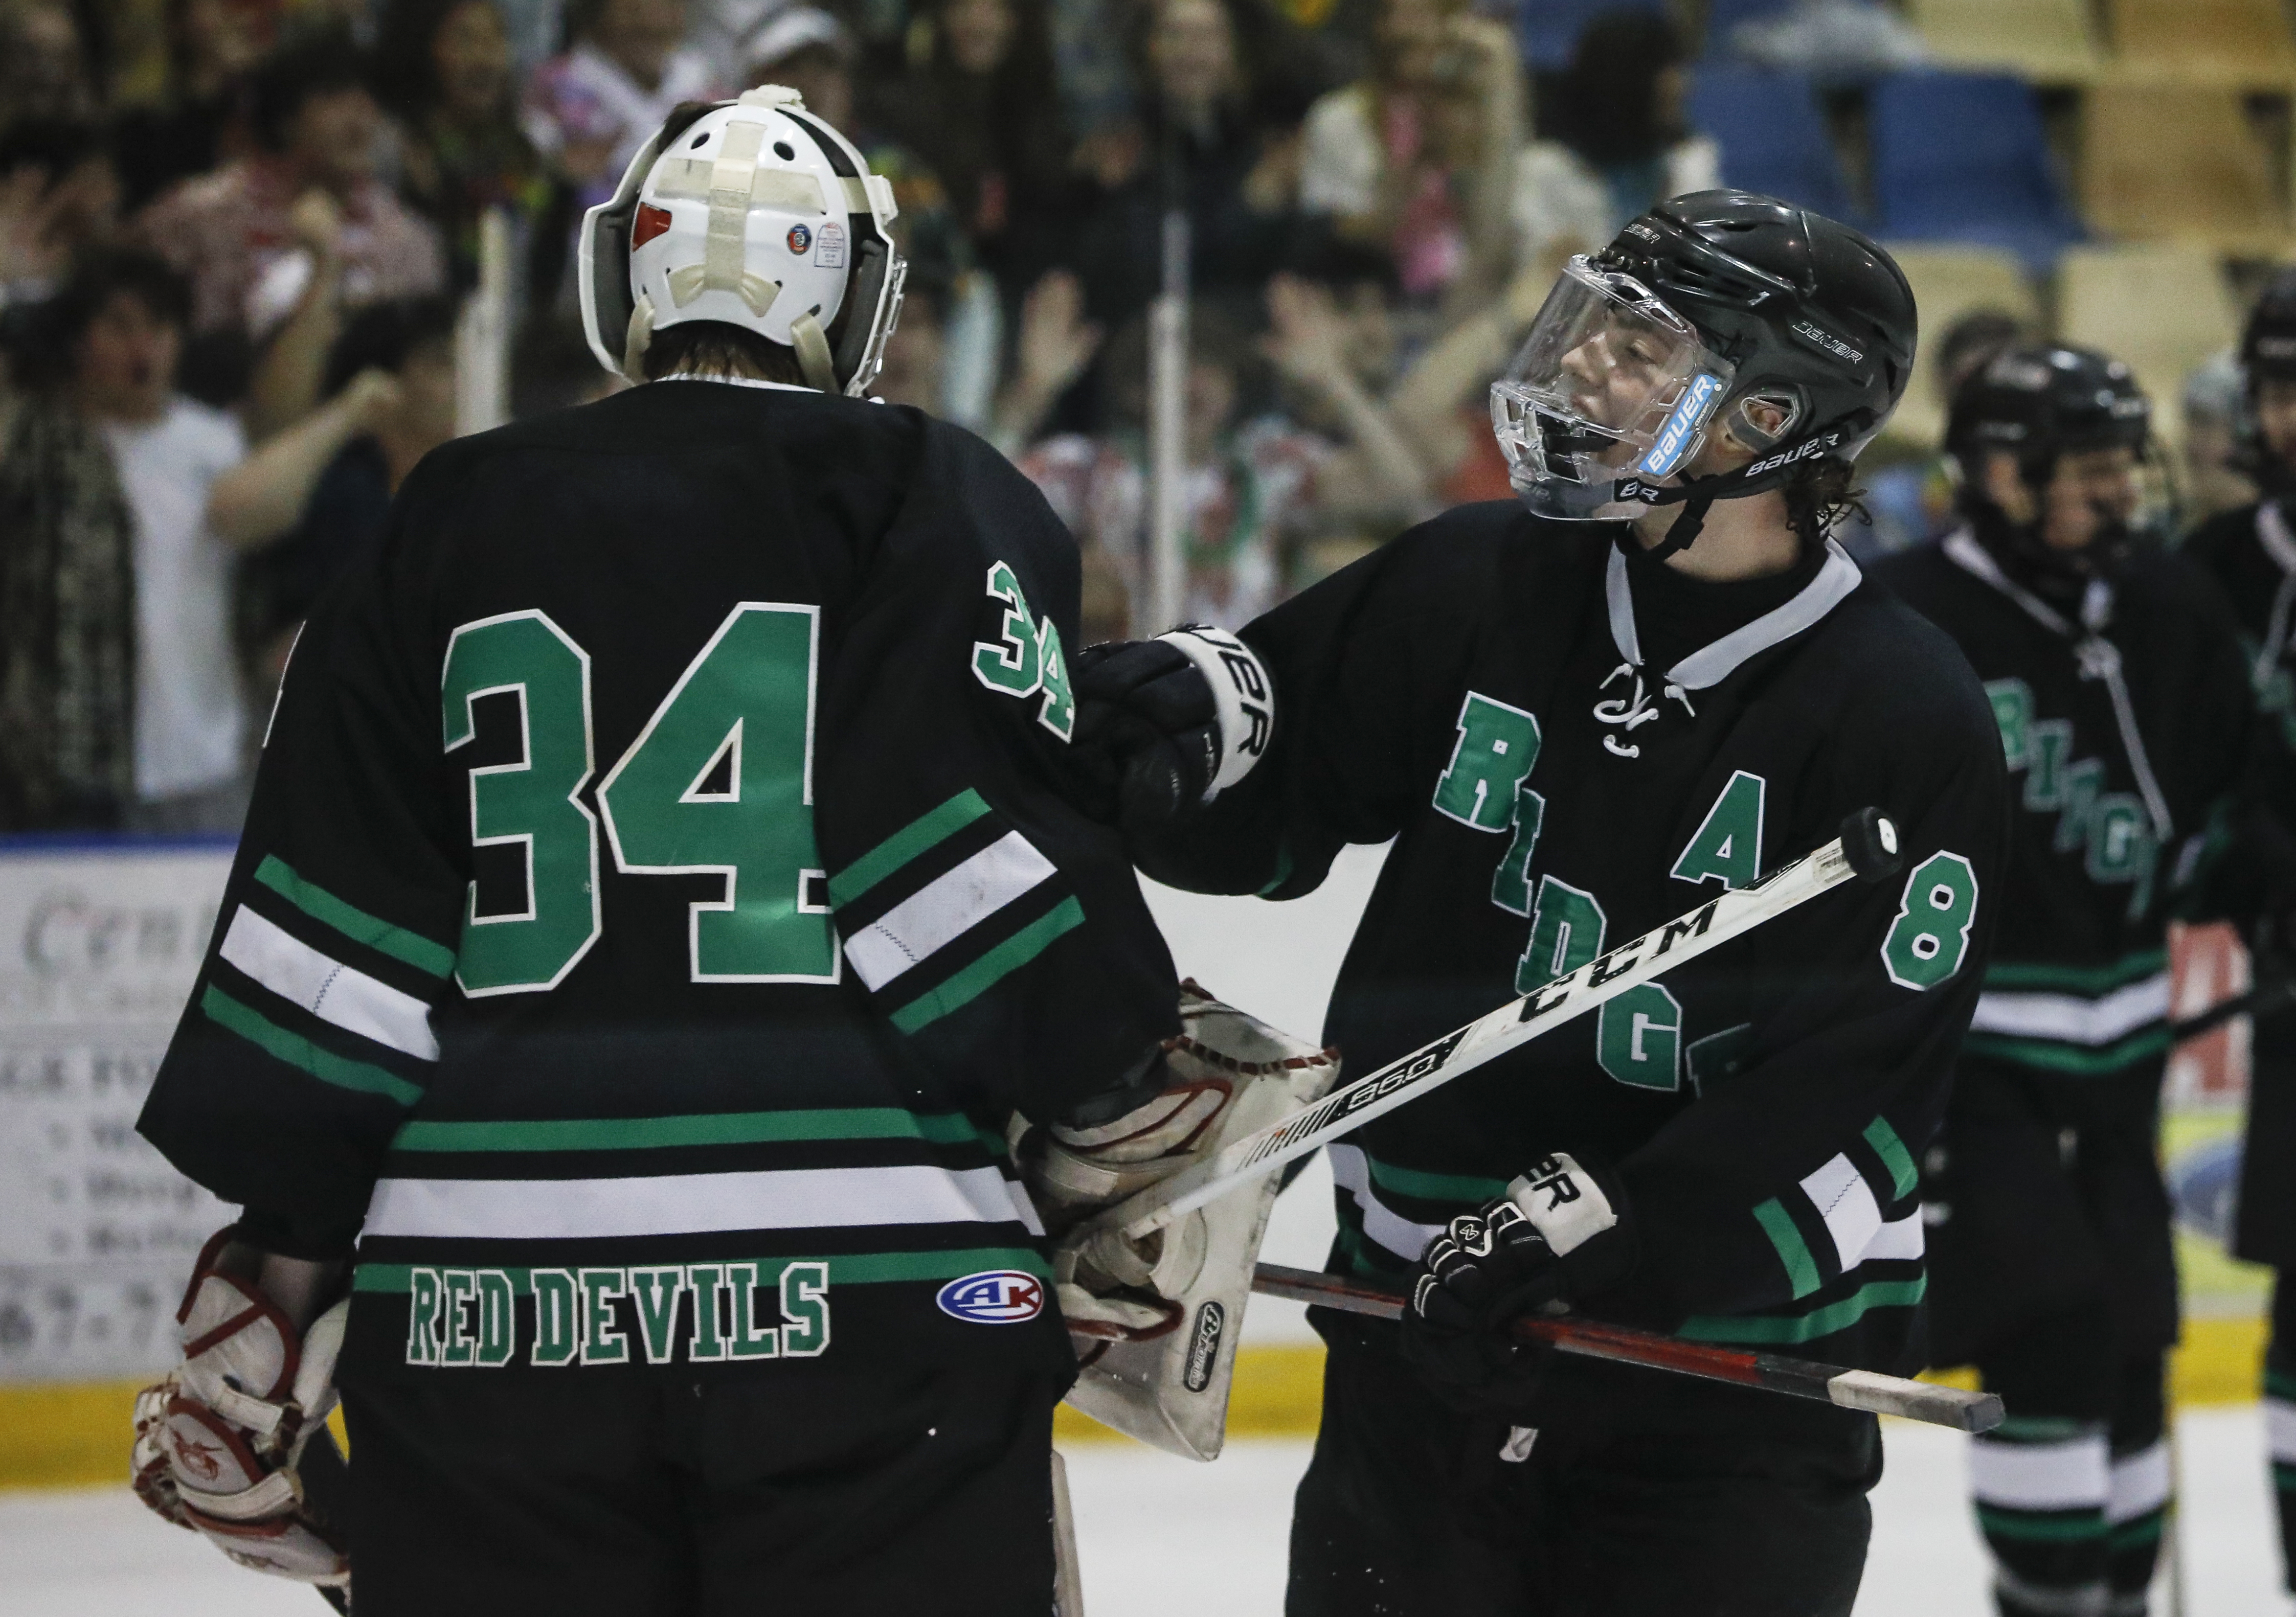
(757, 214)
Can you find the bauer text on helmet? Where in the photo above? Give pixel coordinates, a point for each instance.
(757, 214)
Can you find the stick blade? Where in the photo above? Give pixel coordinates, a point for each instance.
(1919, 1401)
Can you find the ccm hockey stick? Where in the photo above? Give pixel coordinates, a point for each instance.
(1866, 850)
(1795, 1378)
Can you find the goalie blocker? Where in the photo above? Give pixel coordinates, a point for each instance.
(1156, 1319)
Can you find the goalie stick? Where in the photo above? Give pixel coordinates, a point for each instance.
(1865, 1389)
(1866, 850)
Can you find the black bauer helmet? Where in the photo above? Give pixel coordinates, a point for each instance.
(2268, 352)
(1705, 308)
(2043, 401)
(2268, 346)
(2039, 402)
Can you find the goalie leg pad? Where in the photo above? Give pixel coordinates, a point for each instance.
(1165, 1379)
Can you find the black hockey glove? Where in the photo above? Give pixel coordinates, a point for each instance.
(1162, 725)
(1561, 1233)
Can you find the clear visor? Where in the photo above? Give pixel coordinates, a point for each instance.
(1611, 383)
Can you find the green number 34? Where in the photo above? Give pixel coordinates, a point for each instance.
(718, 783)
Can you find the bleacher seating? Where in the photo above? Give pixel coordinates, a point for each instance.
(2162, 306)
(2049, 41)
(1949, 282)
(2242, 40)
(1724, 18)
(1962, 157)
(1551, 28)
(1773, 136)
(2176, 160)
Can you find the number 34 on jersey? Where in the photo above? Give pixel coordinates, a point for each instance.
(719, 782)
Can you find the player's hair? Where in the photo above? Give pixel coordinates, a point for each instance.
(1606, 106)
(713, 347)
(298, 73)
(1819, 499)
(44, 350)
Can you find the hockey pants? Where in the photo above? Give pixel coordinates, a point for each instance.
(1656, 1497)
(2072, 1488)
(620, 1494)
(2280, 1414)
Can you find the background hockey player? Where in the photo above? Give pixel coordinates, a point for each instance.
(692, 1273)
(2122, 704)
(2252, 552)
(1573, 721)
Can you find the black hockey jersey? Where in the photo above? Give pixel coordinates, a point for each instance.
(657, 895)
(2126, 726)
(1487, 690)
(2251, 553)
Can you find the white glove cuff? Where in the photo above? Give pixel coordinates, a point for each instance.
(1563, 1203)
(1243, 694)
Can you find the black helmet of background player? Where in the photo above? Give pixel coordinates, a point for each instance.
(2050, 442)
(1715, 321)
(2266, 450)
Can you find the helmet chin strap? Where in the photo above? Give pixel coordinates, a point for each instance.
(1697, 495)
(1686, 526)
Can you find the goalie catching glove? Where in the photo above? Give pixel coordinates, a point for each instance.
(1559, 1234)
(1167, 724)
(1155, 1319)
(220, 1442)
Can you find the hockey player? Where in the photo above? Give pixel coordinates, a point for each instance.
(691, 1274)
(1660, 681)
(2121, 704)
(2252, 553)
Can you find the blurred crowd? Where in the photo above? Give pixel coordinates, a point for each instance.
(237, 236)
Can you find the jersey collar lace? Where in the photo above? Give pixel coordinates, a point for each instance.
(2097, 657)
(1711, 663)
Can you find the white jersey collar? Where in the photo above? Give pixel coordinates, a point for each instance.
(2272, 533)
(2094, 656)
(1711, 664)
(1962, 549)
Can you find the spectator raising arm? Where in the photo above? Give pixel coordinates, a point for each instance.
(1056, 343)
(1378, 472)
(263, 496)
(286, 381)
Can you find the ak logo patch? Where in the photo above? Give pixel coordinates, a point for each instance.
(994, 1296)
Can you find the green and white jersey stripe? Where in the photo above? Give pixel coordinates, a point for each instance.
(327, 988)
(845, 1268)
(944, 908)
(2280, 1428)
(2082, 1020)
(433, 959)
(332, 990)
(947, 906)
(694, 1203)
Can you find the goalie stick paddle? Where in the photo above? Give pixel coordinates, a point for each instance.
(1866, 850)
(1796, 1378)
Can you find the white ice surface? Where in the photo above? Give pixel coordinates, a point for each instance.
(1158, 1535)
